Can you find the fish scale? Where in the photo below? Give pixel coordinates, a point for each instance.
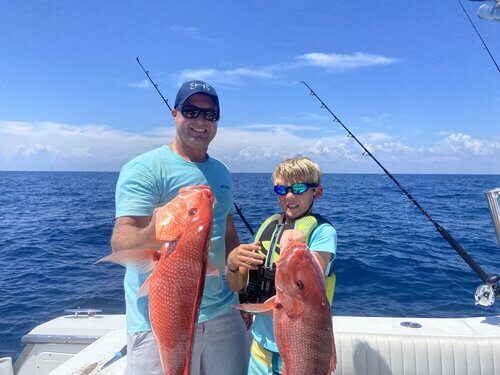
(304, 337)
(302, 321)
(175, 286)
(173, 335)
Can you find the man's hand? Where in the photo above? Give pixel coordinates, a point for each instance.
(135, 232)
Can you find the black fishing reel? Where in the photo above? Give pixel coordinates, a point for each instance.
(260, 285)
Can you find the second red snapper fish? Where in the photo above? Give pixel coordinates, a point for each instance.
(302, 320)
(175, 286)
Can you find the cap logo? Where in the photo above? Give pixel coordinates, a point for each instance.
(194, 85)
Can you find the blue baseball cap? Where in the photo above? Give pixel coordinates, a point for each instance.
(195, 87)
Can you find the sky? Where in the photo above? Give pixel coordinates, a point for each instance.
(411, 80)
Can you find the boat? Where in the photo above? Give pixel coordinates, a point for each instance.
(84, 341)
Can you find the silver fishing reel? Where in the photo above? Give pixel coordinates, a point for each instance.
(485, 295)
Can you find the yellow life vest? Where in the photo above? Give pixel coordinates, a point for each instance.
(269, 235)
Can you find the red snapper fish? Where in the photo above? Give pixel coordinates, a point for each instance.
(302, 319)
(175, 286)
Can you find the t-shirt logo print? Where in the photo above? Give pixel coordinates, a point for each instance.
(194, 85)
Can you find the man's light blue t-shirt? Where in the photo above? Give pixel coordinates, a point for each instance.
(150, 181)
(323, 238)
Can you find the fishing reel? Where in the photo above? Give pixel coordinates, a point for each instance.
(485, 294)
(261, 284)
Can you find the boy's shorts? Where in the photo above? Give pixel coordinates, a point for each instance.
(263, 361)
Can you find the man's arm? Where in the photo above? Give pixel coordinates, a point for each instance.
(232, 239)
(235, 280)
(134, 232)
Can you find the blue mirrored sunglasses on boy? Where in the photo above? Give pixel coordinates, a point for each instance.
(190, 111)
(298, 188)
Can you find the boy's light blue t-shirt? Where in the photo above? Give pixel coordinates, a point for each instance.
(153, 179)
(323, 238)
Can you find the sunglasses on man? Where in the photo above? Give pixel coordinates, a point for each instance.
(297, 188)
(190, 111)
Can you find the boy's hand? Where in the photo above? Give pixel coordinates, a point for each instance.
(246, 256)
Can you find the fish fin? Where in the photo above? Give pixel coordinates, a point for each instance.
(257, 308)
(170, 247)
(212, 270)
(144, 260)
(144, 291)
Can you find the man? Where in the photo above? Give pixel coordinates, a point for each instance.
(148, 182)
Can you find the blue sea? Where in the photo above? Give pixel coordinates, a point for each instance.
(391, 261)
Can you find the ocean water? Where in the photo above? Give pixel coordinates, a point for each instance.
(391, 261)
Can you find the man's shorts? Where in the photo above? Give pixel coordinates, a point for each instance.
(221, 347)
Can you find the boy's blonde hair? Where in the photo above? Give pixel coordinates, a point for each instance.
(297, 169)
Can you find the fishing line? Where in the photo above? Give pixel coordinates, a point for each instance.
(485, 292)
(426, 254)
(479, 35)
(238, 209)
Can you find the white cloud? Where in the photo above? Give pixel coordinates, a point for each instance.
(375, 120)
(332, 61)
(189, 31)
(336, 61)
(67, 147)
(463, 144)
(144, 84)
(225, 77)
(34, 150)
(290, 127)
(308, 117)
(375, 137)
(80, 152)
(253, 147)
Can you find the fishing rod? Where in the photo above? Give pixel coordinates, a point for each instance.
(247, 224)
(238, 209)
(485, 294)
(479, 35)
(154, 84)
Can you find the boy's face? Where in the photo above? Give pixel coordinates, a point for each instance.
(296, 205)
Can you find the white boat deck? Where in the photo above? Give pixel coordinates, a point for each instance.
(365, 345)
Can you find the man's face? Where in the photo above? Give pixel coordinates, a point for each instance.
(195, 132)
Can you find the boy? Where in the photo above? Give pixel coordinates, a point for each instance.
(297, 182)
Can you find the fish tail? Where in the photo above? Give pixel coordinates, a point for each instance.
(333, 358)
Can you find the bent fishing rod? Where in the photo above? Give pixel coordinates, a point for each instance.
(485, 294)
(238, 209)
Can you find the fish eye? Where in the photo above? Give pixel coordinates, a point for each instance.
(300, 284)
(193, 211)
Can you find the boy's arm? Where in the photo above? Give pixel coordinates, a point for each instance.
(323, 245)
(240, 258)
(323, 258)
